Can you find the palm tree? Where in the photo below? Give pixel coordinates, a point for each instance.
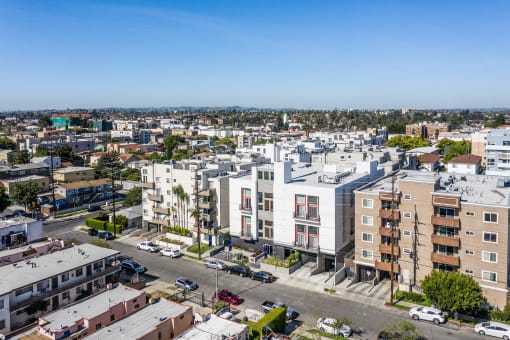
(186, 210)
(175, 191)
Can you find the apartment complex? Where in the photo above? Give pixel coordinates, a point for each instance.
(429, 221)
(85, 192)
(497, 152)
(427, 130)
(74, 174)
(282, 208)
(51, 281)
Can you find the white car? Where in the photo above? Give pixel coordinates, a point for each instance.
(427, 313)
(499, 330)
(330, 325)
(170, 252)
(148, 246)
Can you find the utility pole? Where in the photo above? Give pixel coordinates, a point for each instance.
(415, 248)
(113, 200)
(392, 237)
(52, 181)
(197, 218)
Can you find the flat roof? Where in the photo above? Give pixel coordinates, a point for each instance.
(213, 327)
(85, 184)
(24, 178)
(16, 221)
(25, 166)
(89, 308)
(24, 273)
(474, 189)
(72, 169)
(38, 244)
(138, 324)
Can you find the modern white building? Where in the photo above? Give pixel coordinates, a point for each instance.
(465, 164)
(18, 231)
(282, 208)
(497, 152)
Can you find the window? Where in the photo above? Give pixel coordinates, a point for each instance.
(246, 225)
(246, 198)
(367, 203)
(260, 200)
(300, 202)
(367, 237)
(66, 295)
(470, 213)
(470, 233)
(271, 176)
(469, 272)
(489, 256)
(259, 174)
(43, 285)
(313, 207)
(268, 229)
(1, 305)
(367, 254)
(406, 250)
(489, 276)
(407, 214)
(407, 233)
(65, 277)
(490, 217)
(168, 180)
(300, 235)
(268, 201)
(469, 252)
(78, 290)
(266, 176)
(367, 220)
(158, 179)
(490, 237)
(112, 317)
(408, 197)
(98, 265)
(24, 290)
(313, 237)
(78, 272)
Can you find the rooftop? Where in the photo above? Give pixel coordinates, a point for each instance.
(16, 221)
(138, 324)
(72, 169)
(26, 166)
(89, 308)
(24, 178)
(85, 184)
(23, 273)
(473, 189)
(214, 326)
(466, 159)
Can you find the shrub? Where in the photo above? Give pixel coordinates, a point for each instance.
(289, 261)
(109, 227)
(410, 297)
(501, 315)
(95, 223)
(101, 243)
(179, 231)
(168, 240)
(203, 248)
(275, 320)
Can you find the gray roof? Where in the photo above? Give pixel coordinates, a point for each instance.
(22, 273)
(26, 166)
(16, 221)
(72, 169)
(89, 308)
(138, 324)
(214, 326)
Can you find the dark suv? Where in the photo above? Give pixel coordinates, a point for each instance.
(132, 267)
(262, 276)
(93, 231)
(106, 235)
(242, 271)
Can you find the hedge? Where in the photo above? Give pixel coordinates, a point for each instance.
(275, 319)
(95, 223)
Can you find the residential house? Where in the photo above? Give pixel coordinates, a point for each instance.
(465, 164)
(429, 162)
(48, 160)
(215, 327)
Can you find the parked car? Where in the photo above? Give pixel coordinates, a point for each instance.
(92, 208)
(93, 231)
(269, 305)
(185, 283)
(132, 267)
(332, 326)
(216, 264)
(229, 297)
(427, 313)
(496, 329)
(170, 252)
(105, 235)
(148, 246)
(242, 271)
(262, 276)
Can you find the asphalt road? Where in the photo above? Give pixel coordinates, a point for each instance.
(310, 305)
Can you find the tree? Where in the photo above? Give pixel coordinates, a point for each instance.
(402, 330)
(4, 199)
(132, 174)
(26, 193)
(20, 157)
(41, 152)
(171, 143)
(155, 157)
(121, 220)
(6, 143)
(226, 141)
(451, 149)
(107, 163)
(453, 292)
(64, 151)
(406, 142)
(134, 197)
(45, 121)
(498, 120)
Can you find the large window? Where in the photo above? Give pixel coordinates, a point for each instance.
(367, 220)
(306, 207)
(313, 207)
(367, 237)
(301, 206)
(489, 256)
(367, 203)
(367, 254)
(447, 212)
(268, 229)
(246, 226)
(246, 198)
(300, 235)
(490, 237)
(307, 236)
(490, 217)
(268, 201)
(489, 276)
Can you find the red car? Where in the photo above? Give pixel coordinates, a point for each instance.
(229, 297)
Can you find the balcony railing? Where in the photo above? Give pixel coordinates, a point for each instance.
(306, 247)
(452, 260)
(389, 232)
(387, 214)
(245, 209)
(161, 210)
(445, 221)
(386, 266)
(307, 217)
(207, 192)
(208, 216)
(155, 198)
(452, 241)
(147, 185)
(206, 204)
(386, 249)
(159, 221)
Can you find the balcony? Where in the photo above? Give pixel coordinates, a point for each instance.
(446, 201)
(61, 289)
(387, 214)
(155, 198)
(452, 241)
(386, 196)
(445, 221)
(305, 247)
(386, 249)
(388, 232)
(206, 192)
(307, 218)
(245, 209)
(208, 217)
(147, 185)
(161, 210)
(452, 260)
(386, 266)
(159, 221)
(206, 204)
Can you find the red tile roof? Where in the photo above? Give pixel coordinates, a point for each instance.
(428, 158)
(466, 159)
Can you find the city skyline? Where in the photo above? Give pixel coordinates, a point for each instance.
(438, 54)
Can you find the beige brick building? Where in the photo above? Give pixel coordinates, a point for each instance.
(427, 130)
(441, 222)
(74, 174)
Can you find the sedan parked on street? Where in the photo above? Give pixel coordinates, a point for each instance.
(216, 264)
(496, 329)
(427, 313)
(229, 297)
(332, 326)
(131, 266)
(106, 235)
(148, 246)
(185, 283)
(262, 276)
(242, 271)
(170, 252)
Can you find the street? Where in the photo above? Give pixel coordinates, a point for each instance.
(311, 305)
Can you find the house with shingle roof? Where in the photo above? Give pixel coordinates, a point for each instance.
(465, 164)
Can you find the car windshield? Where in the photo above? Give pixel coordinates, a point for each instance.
(188, 282)
(136, 265)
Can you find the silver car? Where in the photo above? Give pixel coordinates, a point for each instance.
(185, 283)
(216, 264)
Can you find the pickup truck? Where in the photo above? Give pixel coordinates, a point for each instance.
(269, 305)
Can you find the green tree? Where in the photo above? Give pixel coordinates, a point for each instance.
(121, 220)
(171, 143)
(498, 120)
(41, 152)
(453, 292)
(501, 315)
(132, 174)
(45, 121)
(134, 197)
(451, 149)
(6, 143)
(402, 330)
(4, 199)
(107, 163)
(65, 152)
(226, 141)
(406, 142)
(20, 157)
(26, 193)
(156, 157)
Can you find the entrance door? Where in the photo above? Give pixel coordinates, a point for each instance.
(54, 282)
(329, 264)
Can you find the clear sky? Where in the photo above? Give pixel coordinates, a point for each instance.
(300, 54)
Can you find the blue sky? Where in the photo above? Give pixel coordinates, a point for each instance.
(300, 54)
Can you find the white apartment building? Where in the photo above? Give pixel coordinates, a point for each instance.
(50, 281)
(163, 206)
(282, 208)
(18, 231)
(497, 152)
